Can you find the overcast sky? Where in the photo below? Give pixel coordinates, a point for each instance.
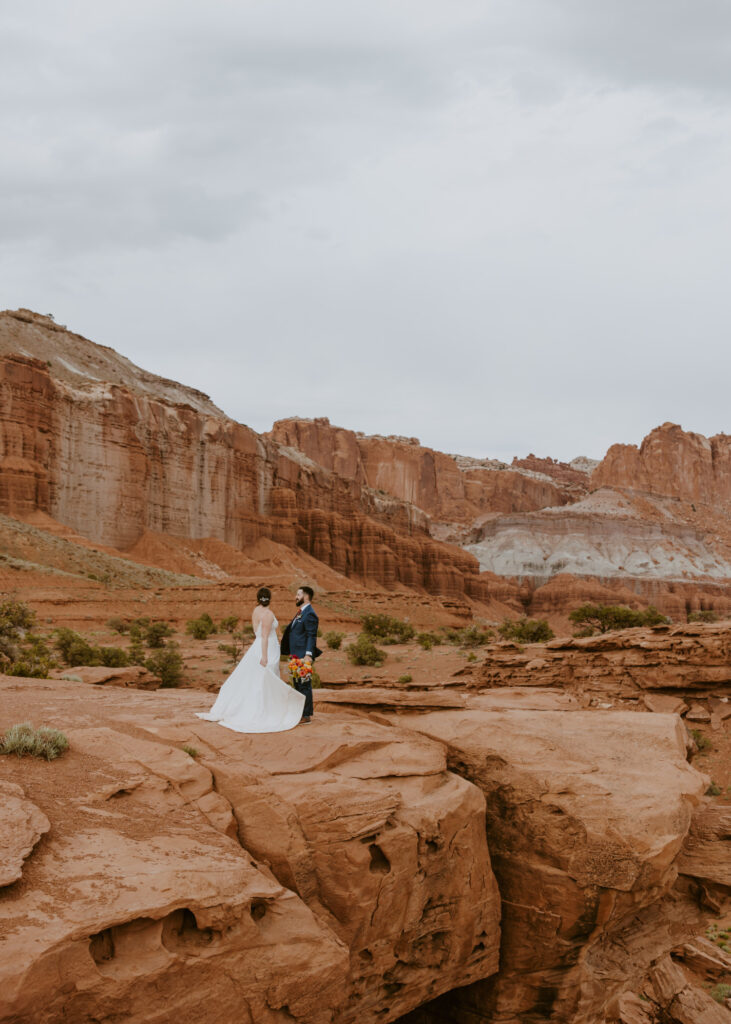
(501, 226)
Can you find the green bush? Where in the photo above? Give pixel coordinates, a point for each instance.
(14, 616)
(721, 992)
(714, 789)
(202, 627)
(21, 653)
(387, 629)
(229, 624)
(32, 660)
(24, 740)
(118, 625)
(334, 640)
(156, 633)
(703, 616)
(167, 665)
(190, 751)
(470, 636)
(405, 679)
(428, 640)
(604, 617)
(364, 652)
(75, 650)
(526, 631)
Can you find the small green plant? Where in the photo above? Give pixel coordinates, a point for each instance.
(118, 625)
(235, 649)
(405, 679)
(703, 616)
(190, 751)
(428, 640)
(714, 789)
(604, 617)
(201, 628)
(229, 624)
(24, 740)
(702, 742)
(721, 992)
(167, 665)
(333, 639)
(472, 656)
(387, 629)
(364, 652)
(526, 631)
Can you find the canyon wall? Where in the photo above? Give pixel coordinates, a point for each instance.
(113, 459)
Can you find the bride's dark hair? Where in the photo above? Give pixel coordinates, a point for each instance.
(263, 596)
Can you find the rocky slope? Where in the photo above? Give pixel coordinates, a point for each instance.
(477, 853)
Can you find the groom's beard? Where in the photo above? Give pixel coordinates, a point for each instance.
(299, 601)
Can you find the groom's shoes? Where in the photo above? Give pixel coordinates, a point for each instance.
(305, 720)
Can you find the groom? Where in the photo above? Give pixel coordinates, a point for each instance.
(300, 641)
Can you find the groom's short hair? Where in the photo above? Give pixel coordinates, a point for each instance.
(309, 591)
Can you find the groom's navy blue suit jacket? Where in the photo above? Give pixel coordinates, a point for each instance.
(300, 636)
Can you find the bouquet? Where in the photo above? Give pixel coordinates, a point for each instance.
(299, 670)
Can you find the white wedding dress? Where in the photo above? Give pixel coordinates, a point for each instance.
(254, 698)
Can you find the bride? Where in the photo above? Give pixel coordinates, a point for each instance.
(254, 698)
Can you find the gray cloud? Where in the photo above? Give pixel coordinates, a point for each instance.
(499, 226)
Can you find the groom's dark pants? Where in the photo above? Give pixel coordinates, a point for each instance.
(305, 688)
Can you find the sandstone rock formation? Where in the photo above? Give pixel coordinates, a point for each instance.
(115, 456)
(120, 456)
(341, 875)
(21, 826)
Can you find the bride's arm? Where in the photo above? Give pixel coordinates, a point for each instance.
(266, 628)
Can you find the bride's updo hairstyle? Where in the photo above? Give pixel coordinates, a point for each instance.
(263, 596)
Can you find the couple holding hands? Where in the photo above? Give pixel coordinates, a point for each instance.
(254, 698)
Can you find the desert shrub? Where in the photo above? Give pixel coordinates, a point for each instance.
(526, 631)
(111, 657)
(156, 632)
(404, 679)
(387, 629)
(428, 640)
(190, 751)
(33, 659)
(316, 681)
(701, 741)
(14, 616)
(469, 636)
(235, 649)
(201, 628)
(714, 789)
(24, 740)
(333, 639)
(229, 624)
(604, 617)
(75, 650)
(21, 652)
(703, 616)
(118, 625)
(364, 652)
(472, 656)
(167, 665)
(721, 992)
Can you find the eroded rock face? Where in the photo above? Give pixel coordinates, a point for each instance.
(333, 874)
(21, 826)
(112, 452)
(621, 663)
(673, 462)
(586, 817)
